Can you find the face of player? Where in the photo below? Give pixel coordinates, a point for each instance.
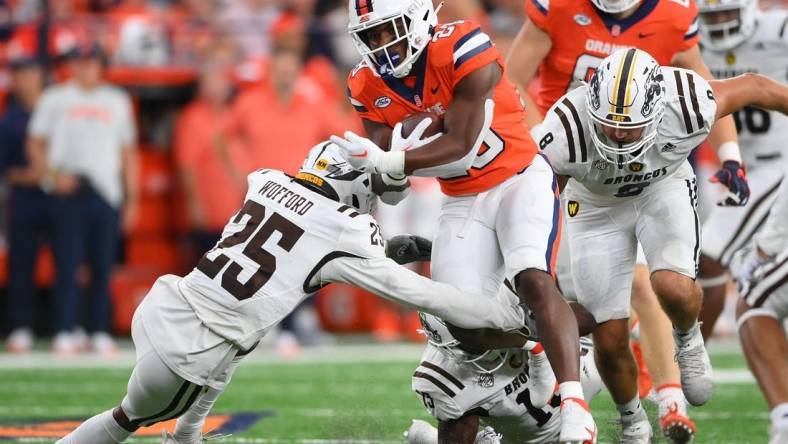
(623, 135)
(384, 34)
(720, 17)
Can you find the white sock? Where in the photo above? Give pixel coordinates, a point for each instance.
(100, 429)
(671, 398)
(630, 408)
(189, 426)
(779, 416)
(570, 389)
(686, 335)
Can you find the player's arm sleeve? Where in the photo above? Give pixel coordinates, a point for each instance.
(553, 137)
(538, 12)
(695, 102)
(472, 51)
(363, 107)
(691, 36)
(388, 280)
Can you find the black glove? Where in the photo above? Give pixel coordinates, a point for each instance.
(406, 248)
(733, 177)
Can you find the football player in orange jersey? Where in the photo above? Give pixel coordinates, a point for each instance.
(501, 216)
(565, 40)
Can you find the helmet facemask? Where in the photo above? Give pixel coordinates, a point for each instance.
(636, 104)
(410, 24)
(725, 25)
(614, 6)
(438, 336)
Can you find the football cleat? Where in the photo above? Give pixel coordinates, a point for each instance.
(577, 424)
(777, 436)
(541, 380)
(488, 436)
(677, 428)
(636, 429)
(694, 366)
(421, 432)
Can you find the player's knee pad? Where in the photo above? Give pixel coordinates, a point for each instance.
(752, 313)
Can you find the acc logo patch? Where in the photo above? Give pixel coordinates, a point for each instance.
(636, 167)
(582, 20)
(573, 207)
(382, 102)
(56, 428)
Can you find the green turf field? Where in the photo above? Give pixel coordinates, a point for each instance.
(315, 401)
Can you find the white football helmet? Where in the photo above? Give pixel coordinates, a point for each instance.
(627, 92)
(438, 335)
(412, 22)
(726, 34)
(614, 6)
(326, 171)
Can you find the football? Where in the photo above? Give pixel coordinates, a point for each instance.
(410, 122)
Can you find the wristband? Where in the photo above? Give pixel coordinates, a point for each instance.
(729, 151)
(391, 162)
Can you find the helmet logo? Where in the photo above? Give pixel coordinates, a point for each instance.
(596, 79)
(653, 91)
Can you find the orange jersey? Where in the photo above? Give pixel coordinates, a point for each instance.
(582, 36)
(456, 50)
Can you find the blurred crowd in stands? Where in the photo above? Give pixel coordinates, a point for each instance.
(126, 133)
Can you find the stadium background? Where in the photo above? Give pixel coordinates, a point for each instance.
(158, 51)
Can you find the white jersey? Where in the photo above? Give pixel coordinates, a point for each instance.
(565, 138)
(762, 133)
(269, 253)
(288, 241)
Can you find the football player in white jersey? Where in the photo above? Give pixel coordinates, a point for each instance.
(622, 141)
(761, 272)
(470, 376)
(292, 236)
(736, 38)
(459, 386)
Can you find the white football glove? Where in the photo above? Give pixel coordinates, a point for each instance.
(414, 140)
(364, 155)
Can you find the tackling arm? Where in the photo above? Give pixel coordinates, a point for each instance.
(749, 89)
(390, 281)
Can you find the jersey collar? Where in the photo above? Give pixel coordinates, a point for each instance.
(642, 12)
(403, 90)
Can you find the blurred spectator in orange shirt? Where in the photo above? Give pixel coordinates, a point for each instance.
(208, 174)
(280, 119)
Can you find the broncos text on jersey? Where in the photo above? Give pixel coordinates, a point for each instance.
(582, 36)
(566, 140)
(456, 50)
